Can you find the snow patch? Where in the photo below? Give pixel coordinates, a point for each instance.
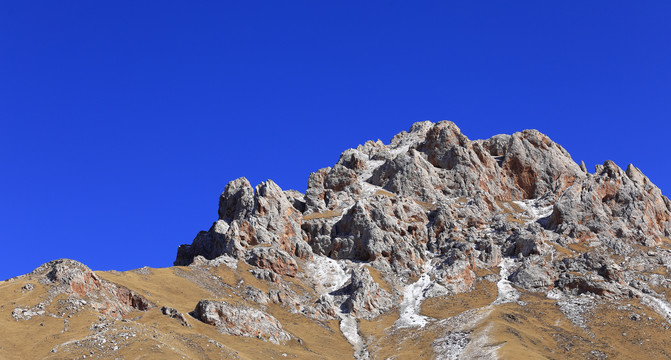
(369, 189)
(350, 329)
(507, 292)
(327, 273)
(660, 306)
(554, 294)
(413, 295)
(330, 275)
(536, 212)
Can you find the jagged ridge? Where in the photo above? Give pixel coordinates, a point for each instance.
(394, 232)
(434, 202)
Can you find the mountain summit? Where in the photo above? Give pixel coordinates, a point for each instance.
(432, 246)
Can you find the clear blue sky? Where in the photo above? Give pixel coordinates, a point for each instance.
(122, 121)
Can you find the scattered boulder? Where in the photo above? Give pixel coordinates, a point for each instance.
(25, 314)
(265, 274)
(173, 313)
(253, 294)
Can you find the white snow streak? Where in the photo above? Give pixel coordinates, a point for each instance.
(330, 275)
(350, 329)
(506, 291)
(369, 189)
(413, 295)
(465, 343)
(536, 212)
(660, 306)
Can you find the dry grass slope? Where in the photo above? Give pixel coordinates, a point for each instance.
(619, 330)
(325, 215)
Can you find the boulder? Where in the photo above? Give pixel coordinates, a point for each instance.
(239, 320)
(173, 313)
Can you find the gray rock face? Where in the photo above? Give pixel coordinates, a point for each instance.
(237, 201)
(465, 166)
(614, 203)
(273, 259)
(240, 321)
(409, 174)
(367, 299)
(537, 165)
(247, 218)
(382, 228)
(526, 242)
(533, 276)
(230, 262)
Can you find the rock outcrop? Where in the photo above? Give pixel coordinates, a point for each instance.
(173, 313)
(248, 218)
(240, 321)
(613, 203)
(367, 300)
(77, 281)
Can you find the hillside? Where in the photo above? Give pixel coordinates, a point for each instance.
(431, 246)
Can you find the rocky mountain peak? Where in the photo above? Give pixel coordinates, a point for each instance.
(379, 200)
(432, 236)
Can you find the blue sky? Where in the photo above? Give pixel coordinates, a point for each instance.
(121, 122)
